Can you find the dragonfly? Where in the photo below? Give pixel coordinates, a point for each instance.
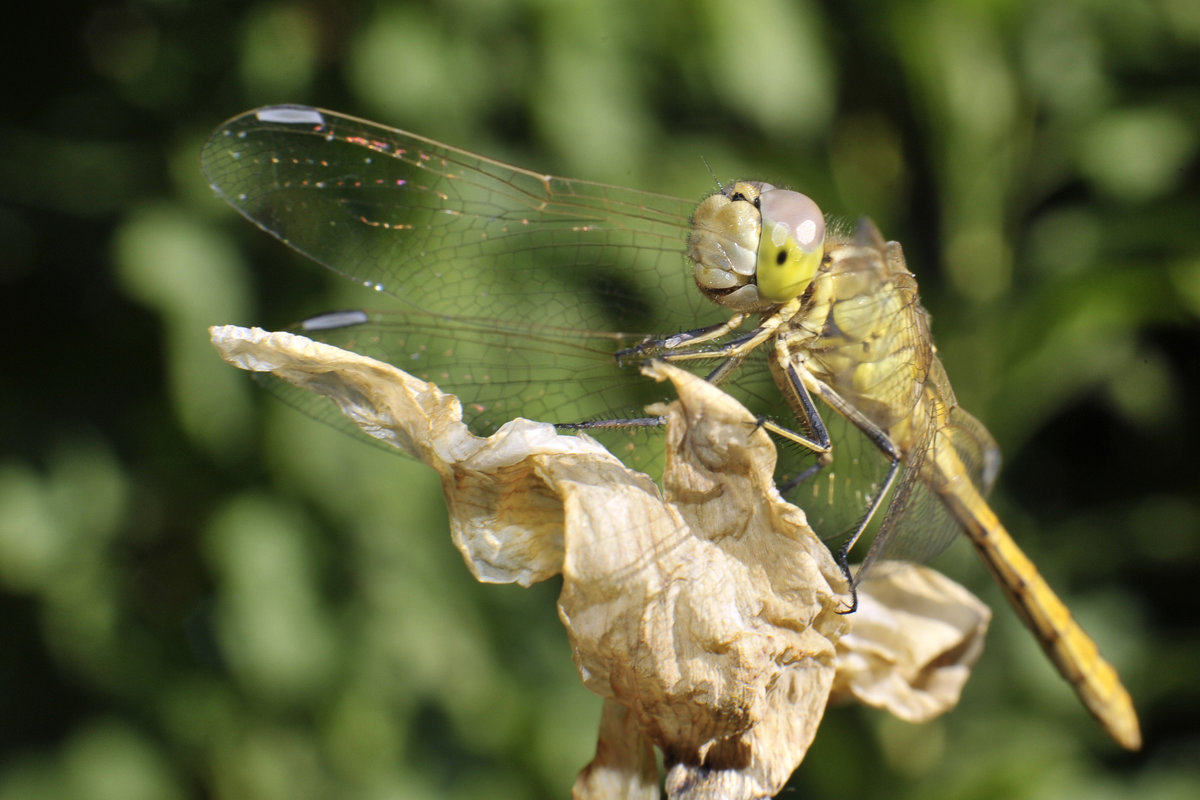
(531, 295)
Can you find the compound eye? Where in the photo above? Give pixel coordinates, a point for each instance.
(798, 214)
(791, 246)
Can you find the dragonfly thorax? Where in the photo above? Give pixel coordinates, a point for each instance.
(753, 246)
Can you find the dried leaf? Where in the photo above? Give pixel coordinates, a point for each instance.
(624, 766)
(707, 615)
(502, 518)
(711, 613)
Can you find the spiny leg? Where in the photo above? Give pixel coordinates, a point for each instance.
(807, 411)
(682, 347)
(602, 424)
(656, 348)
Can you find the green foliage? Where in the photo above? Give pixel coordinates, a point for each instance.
(208, 595)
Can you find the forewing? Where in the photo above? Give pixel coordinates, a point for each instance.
(448, 231)
(918, 525)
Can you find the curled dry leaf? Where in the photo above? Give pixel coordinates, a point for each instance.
(707, 614)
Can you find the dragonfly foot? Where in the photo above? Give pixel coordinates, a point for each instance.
(844, 564)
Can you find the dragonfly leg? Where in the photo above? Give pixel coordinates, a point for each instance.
(601, 424)
(880, 439)
(819, 443)
(818, 440)
(673, 348)
(842, 556)
(872, 508)
(715, 377)
(724, 369)
(801, 400)
(658, 347)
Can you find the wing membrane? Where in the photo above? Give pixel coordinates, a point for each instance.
(445, 230)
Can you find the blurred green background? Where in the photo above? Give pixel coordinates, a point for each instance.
(205, 594)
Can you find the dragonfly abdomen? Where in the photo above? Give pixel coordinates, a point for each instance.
(1071, 650)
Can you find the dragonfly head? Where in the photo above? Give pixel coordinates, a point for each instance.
(753, 246)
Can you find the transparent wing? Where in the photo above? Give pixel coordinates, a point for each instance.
(451, 232)
(918, 526)
(835, 498)
(498, 371)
